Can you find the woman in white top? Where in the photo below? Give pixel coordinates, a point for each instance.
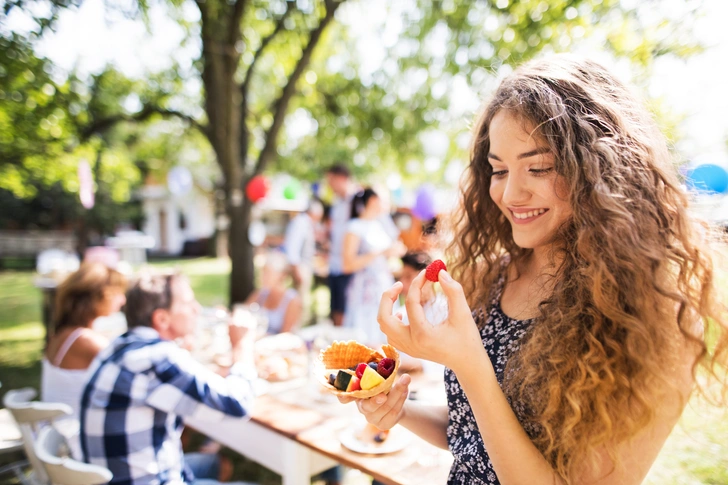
(93, 291)
(367, 246)
(281, 305)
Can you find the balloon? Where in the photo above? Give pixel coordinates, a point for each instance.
(424, 207)
(708, 178)
(257, 188)
(179, 180)
(291, 190)
(86, 185)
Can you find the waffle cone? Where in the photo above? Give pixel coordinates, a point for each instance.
(342, 355)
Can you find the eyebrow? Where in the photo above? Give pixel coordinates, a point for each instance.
(532, 153)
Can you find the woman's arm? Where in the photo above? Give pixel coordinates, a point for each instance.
(292, 315)
(352, 261)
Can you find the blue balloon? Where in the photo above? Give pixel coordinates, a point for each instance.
(709, 178)
(424, 207)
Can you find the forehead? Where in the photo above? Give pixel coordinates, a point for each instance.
(507, 127)
(181, 290)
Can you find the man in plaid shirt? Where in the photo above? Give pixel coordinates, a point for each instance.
(143, 385)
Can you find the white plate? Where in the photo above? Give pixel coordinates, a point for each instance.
(397, 440)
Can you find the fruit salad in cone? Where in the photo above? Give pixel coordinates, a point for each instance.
(355, 370)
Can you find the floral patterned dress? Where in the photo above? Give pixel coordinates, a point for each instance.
(501, 338)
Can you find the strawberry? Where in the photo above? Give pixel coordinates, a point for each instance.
(360, 370)
(433, 270)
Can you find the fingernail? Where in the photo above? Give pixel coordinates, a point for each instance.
(380, 400)
(444, 275)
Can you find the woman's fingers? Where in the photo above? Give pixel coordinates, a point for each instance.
(453, 292)
(378, 408)
(413, 303)
(387, 302)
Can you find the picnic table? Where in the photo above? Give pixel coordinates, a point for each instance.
(297, 432)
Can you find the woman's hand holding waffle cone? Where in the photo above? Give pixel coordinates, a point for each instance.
(383, 410)
(449, 343)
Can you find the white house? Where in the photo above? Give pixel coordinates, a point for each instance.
(173, 220)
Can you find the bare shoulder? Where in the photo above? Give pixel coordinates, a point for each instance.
(89, 343)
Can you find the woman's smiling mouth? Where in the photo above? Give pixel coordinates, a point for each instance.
(524, 216)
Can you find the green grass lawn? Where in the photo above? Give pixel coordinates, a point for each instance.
(695, 453)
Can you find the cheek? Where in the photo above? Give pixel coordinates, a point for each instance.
(496, 190)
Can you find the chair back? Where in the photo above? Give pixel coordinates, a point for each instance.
(30, 415)
(53, 451)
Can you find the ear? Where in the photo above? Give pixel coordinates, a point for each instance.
(160, 320)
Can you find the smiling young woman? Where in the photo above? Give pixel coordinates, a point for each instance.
(583, 293)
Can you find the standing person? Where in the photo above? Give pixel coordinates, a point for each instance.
(143, 385)
(93, 291)
(367, 246)
(590, 285)
(300, 249)
(338, 177)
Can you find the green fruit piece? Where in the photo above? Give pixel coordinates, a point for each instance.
(370, 379)
(342, 380)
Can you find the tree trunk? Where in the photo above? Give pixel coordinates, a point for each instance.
(242, 276)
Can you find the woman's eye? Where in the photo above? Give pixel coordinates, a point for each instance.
(541, 171)
(499, 173)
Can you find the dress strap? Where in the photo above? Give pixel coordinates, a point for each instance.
(65, 347)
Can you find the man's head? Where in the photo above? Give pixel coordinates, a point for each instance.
(412, 264)
(164, 302)
(338, 176)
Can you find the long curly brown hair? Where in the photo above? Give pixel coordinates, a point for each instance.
(634, 268)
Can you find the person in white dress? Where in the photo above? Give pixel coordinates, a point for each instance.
(367, 246)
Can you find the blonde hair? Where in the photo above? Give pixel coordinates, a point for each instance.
(594, 362)
(81, 294)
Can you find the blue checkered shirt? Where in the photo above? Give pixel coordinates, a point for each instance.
(139, 390)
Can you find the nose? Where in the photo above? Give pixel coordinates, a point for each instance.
(516, 190)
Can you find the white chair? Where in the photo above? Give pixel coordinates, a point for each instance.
(30, 415)
(52, 450)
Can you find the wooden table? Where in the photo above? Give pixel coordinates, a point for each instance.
(295, 433)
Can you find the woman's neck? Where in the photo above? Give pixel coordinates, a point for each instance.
(542, 260)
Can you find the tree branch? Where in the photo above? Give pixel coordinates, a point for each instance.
(100, 126)
(264, 43)
(235, 19)
(280, 106)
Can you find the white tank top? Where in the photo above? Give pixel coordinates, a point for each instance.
(63, 385)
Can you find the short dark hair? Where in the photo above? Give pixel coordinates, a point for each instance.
(416, 259)
(339, 169)
(150, 292)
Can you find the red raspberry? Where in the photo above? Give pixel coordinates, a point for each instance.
(433, 270)
(385, 367)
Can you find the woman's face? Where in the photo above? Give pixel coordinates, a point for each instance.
(114, 300)
(524, 183)
(374, 206)
(271, 276)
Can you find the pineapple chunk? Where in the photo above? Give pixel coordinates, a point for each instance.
(370, 379)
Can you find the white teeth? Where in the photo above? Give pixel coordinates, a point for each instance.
(529, 214)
